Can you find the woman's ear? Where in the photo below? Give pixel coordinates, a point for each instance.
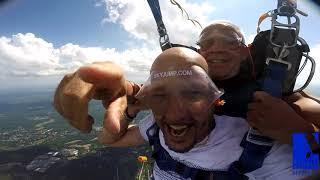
(244, 51)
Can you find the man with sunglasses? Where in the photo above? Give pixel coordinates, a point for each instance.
(232, 68)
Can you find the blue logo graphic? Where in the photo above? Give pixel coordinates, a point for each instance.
(303, 157)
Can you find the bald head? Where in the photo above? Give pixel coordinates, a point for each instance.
(180, 93)
(178, 57)
(220, 26)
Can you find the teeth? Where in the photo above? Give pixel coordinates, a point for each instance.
(217, 61)
(178, 127)
(179, 134)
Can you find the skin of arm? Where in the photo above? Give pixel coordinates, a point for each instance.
(132, 137)
(308, 107)
(130, 134)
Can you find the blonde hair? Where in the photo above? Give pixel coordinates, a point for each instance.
(223, 25)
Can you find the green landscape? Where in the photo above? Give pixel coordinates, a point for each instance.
(30, 127)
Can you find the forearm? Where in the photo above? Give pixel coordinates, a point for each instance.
(132, 137)
(308, 108)
(124, 135)
(297, 125)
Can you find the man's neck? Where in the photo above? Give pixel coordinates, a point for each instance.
(205, 139)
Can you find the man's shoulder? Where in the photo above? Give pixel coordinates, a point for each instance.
(228, 117)
(230, 122)
(144, 124)
(277, 164)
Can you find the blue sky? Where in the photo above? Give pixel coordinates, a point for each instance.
(40, 40)
(61, 22)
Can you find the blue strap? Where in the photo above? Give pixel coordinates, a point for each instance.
(257, 146)
(155, 8)
(252, 156)
(274, 78)
(156, 11)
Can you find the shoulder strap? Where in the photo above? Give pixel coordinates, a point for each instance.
(255, 149)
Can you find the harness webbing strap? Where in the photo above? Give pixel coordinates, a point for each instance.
(156, 11)
(166, 163)
(275, 76)
(257, 146)
(251, 158)
(155, 8)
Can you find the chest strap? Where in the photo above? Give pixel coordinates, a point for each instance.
(253, 153)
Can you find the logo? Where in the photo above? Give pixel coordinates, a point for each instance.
(172, 73)
(304, 160)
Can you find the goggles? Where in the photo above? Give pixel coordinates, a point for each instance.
(223, 41)
(179, 89)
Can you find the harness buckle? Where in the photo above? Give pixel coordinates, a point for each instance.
(255, 137)
(289, 65)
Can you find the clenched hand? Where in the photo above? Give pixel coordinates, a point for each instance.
(273, 117)
(102, 81)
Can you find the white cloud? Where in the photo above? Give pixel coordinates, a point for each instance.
(136, 18)
(25, 55)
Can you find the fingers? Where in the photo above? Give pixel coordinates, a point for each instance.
(103, 75)
(57, 94)
(107, 79)
(114, 121)
(254, 118)
(74, 103)
(132, 89)
(71, 101)
(261, 96)
(257, 108)
(104, 94)
(84, 125)
(103, 81)
(262, 101)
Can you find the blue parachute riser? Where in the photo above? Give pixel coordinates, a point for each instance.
(156, 11)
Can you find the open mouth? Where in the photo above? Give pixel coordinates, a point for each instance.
(177, 130)
(217, 61)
